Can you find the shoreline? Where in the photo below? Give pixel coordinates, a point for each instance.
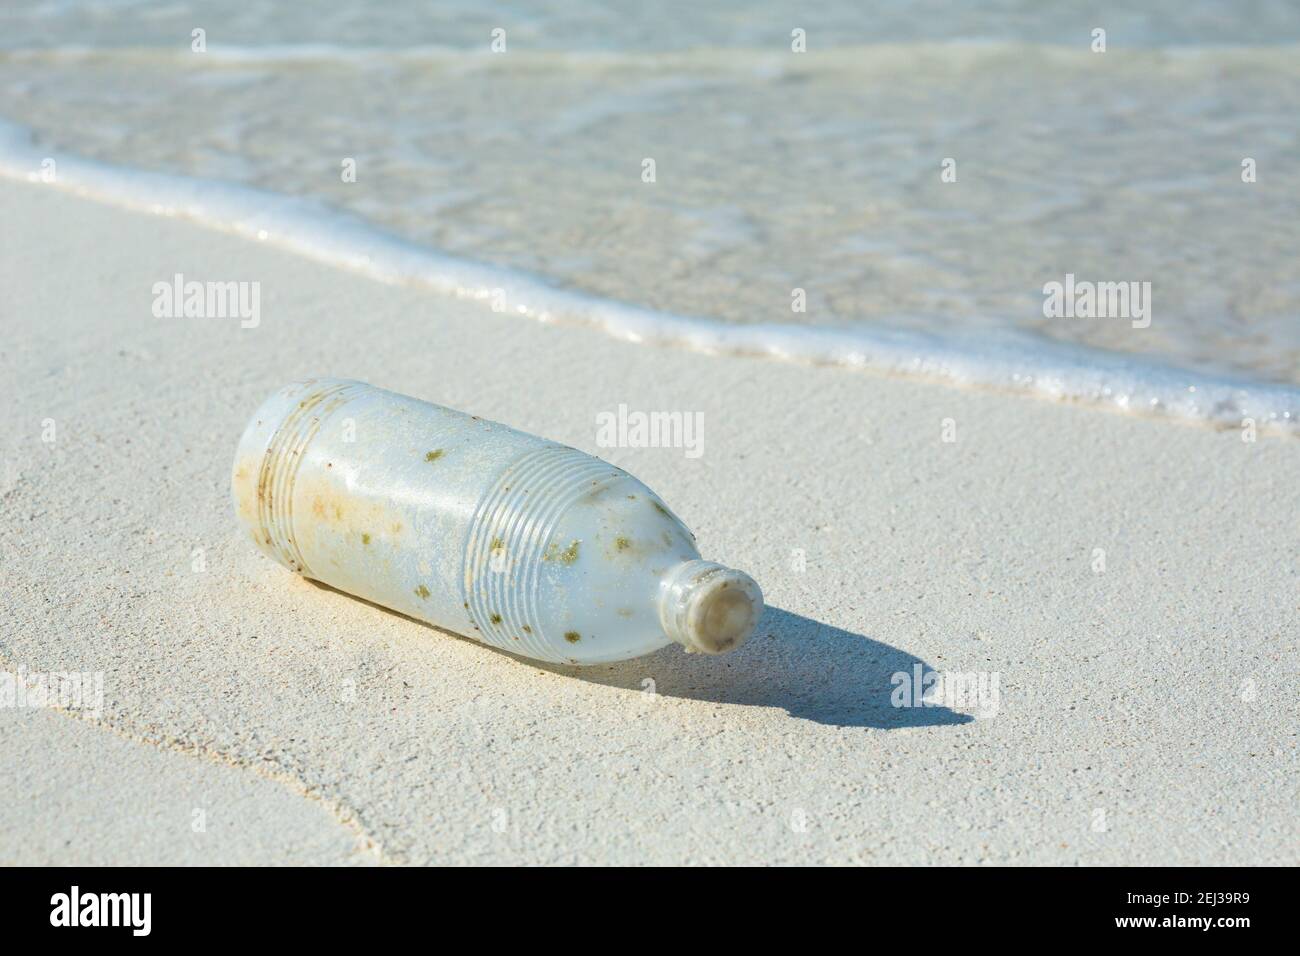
(1058, 372)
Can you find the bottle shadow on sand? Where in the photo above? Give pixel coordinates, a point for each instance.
(813, 670)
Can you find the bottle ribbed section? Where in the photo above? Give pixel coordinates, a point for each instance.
(512, 530)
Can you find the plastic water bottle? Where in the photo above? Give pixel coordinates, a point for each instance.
(507, 538)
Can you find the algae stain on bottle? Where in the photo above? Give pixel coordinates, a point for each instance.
(512, 540)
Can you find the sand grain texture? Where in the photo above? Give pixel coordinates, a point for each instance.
(1161, 691)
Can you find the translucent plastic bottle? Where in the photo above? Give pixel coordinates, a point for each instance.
(512, 540)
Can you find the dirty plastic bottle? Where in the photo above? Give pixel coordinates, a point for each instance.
(521, 543)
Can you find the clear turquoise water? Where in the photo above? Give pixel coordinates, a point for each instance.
(775, 170)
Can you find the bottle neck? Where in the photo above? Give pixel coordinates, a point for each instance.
(708, 608)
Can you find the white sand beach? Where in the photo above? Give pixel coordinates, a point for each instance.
(1129, 583)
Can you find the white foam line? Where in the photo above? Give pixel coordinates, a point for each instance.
(1044, 369)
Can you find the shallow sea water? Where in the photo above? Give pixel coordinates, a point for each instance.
(774, 171)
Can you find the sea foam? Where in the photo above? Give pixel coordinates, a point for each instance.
(1039, 368)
